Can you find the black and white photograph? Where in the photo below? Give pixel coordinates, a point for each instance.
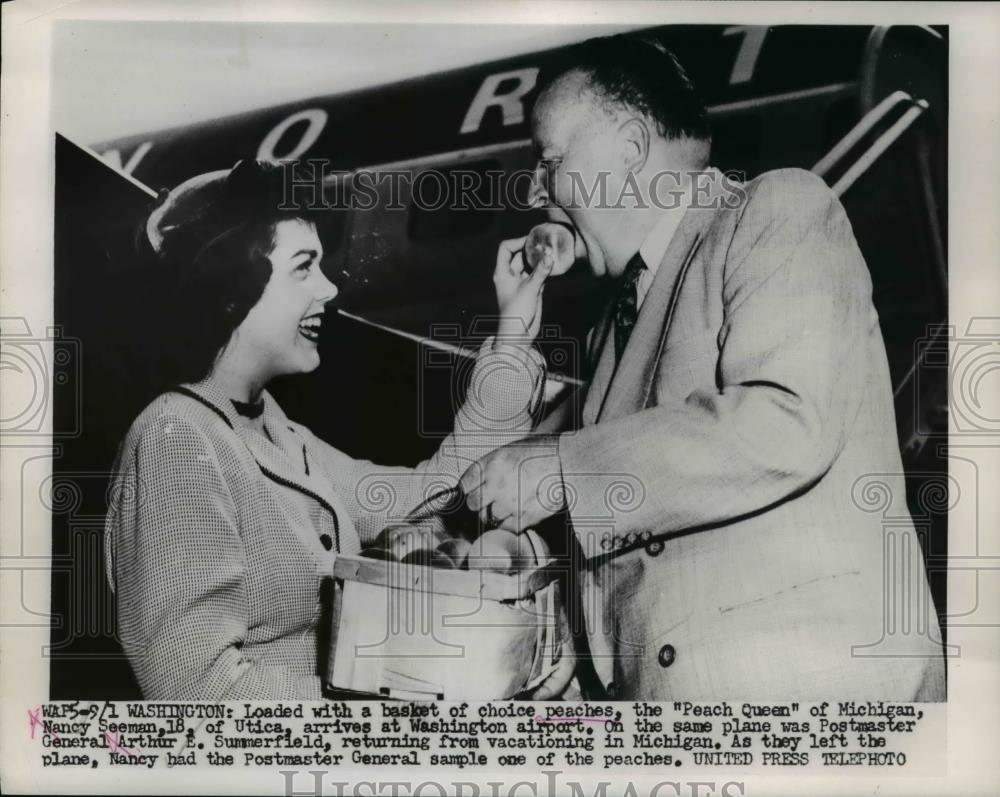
(573, 385)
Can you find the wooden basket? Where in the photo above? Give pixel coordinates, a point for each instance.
(419, 633)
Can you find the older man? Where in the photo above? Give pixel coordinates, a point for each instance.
(739, 395)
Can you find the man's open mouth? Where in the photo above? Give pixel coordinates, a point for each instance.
(309, 327)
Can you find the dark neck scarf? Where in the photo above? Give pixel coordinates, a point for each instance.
(248, 409)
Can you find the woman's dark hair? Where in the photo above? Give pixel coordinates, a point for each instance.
(207, 248)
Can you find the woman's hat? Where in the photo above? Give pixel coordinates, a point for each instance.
(197, 197)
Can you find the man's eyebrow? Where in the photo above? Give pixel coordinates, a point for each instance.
(311, 252)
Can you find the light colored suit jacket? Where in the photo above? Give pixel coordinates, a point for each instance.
(721, 483)
(220, 540)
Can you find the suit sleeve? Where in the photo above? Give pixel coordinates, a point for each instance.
(176, 561)
(797, 316)
(505, 389)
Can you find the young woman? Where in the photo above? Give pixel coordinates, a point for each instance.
(226, 516)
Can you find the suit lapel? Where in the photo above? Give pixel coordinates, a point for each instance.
(597, 390)
(625, 390)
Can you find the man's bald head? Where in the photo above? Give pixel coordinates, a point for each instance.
(622, 75)
(618, 126)
(569, 106)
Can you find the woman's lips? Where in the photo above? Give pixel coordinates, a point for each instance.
(309, 327)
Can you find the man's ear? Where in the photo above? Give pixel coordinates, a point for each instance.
(635, 137)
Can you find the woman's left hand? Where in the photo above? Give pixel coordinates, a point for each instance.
(557, 685)
(519, 294)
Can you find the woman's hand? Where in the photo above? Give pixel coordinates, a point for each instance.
(557, 685)
(519, 294)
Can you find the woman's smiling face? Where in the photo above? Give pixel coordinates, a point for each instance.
(280, 333)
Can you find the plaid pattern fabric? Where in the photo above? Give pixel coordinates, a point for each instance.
(220, 538)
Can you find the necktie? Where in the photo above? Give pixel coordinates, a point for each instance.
(627, 306)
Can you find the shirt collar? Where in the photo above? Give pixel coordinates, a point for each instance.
(654, 248)
(213, 394)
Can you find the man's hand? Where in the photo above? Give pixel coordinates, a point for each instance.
(519, 294)
(518, 485)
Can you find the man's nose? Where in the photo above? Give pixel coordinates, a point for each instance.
(538, 192)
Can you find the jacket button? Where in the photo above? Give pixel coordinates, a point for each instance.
(327, 541)
(612, 690)
(654, 548)
(667, 655)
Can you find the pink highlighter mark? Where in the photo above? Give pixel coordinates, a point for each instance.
(116, 746)
(35, 720)
(570, 719)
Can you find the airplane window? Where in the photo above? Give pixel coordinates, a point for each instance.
(456, 201)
